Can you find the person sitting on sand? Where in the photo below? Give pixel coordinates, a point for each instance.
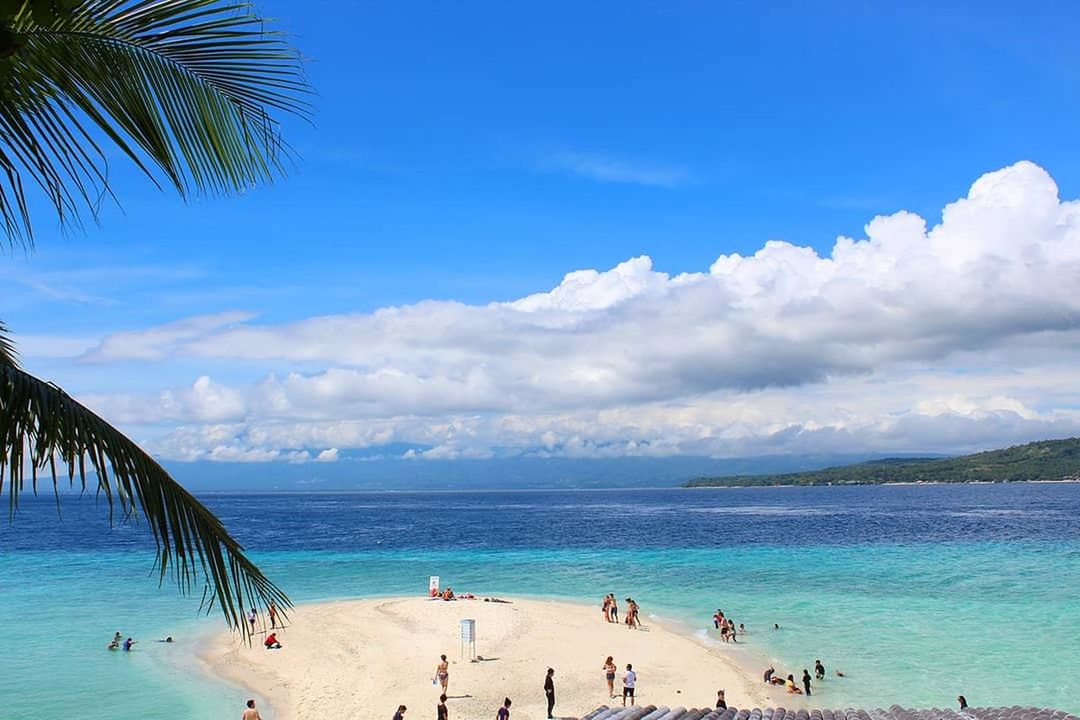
(400, 714)
(819, 670)
(271, 642)
(251, 713)
(442, 673)
(504, 711)
(609, 675)
(449, 594)
(792, 688)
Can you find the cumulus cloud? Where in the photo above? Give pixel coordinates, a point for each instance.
(633, 360)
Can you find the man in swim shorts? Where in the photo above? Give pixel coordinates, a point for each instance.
(629, 682)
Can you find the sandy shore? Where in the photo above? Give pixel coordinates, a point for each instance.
(362, 658)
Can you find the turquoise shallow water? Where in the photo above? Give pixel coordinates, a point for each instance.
(914, 622)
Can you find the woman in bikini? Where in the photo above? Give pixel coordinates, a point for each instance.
(607, 608)
(609, 675)
(442, 673)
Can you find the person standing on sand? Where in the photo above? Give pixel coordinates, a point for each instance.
(443, 713)
(504, 711)
(273, 615)
(614, 609)
(442, 673)
(609, 675)
(629, 682)
(607, 608)
(400, 714)
(251, 620)
(806, 681)
(251, 713)
(549, 690)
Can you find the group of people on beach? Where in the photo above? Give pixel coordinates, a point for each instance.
(611, 611)
(771, 678)
(726, 626)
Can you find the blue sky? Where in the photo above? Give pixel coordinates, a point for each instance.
(479, 153)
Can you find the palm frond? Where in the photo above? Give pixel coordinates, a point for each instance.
(184, 88)
(42, 427)
(8, 356)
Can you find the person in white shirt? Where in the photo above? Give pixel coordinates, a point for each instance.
(628, 682)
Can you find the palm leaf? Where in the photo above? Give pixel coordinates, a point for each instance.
(184, 88)
(42, 427)
(8, 356)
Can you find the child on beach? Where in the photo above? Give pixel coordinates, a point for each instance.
(251, 713)
(442, 712)
(504, 711)
(399, 715)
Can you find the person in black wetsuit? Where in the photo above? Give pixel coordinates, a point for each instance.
(549, 690)
(768, 675)
(819, 670)
(806, 681)
(963, 702)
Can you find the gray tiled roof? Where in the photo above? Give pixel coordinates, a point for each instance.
(651, 712)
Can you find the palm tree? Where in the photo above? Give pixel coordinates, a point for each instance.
(185, 90)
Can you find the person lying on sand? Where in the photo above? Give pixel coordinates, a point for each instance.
(448, 594)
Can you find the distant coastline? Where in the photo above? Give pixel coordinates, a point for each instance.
(1044, 461)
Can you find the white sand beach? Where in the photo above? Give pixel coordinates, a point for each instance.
(360, 659)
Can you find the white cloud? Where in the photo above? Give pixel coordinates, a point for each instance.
(911, 338)
(610, 170)
(328, 455)
(159, 342)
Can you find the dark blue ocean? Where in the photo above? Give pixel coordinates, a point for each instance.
(918, 593)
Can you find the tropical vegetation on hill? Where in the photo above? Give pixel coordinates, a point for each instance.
(184, 90)
(1045, 460)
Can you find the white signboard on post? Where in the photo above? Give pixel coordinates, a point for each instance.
(468, 638)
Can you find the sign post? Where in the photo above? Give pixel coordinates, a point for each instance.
(468, 639)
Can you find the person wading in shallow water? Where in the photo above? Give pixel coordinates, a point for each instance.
(251, 713)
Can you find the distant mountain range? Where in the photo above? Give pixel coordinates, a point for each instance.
(1044, 460)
